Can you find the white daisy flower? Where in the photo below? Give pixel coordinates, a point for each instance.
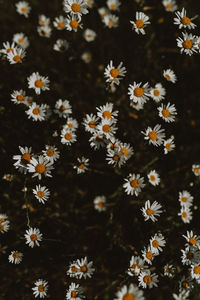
(190, 256)
(3, 218)
(4, 226)
(74, 292)
(113, 144)
(130, 292)
(18, 97)
(40, 166)
(15, 257)
(185, 198)
(187, 43)
(151, 211)
(136, 265)
(148, 255)
(16, 56)
(97, 141)
(196, 170)
(169, 270)
(68, 137)
(23, 8)
(71, 124)
(192, 239)
(51, 153)
(168, 145)
(21, 40)
(115, 157)
(61, 45)
(82, 166)
(86, 57)
(183, 295)
(133, 184)
(41, 193)
(126, 150)
(59, 22)
(44, 31)
(28, 100)
(100, 203)
(157, 242)
(38, 83)
(139, 92)
(89, 35)
(85, 268)
(140, 23)
(170, 75)
(186, 284)
(8, 47)
(186, 214)
(106, 111)
(111, 21)
(195, 271)
(63, 108)
(113, 5)
(153, 177)
(23, 159)
(158, 92)
(43, 20)
(197, 43)
(76, 8)
(73, 270)
(40, 289)
(147, 279)
(103, 12)
(36, 112)
(33, 237)
(114, 75)
(73, 23)
(170, 5)
(107, 128)
(90, 122)
(155, 136)
(183, 21)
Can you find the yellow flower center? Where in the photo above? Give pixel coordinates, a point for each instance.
(74, 269)
(10, 50)
(138, 92)
(149, 255)
(197, 270)
(35, 111)
(2, 220)
(83, 269)
(107, 114)
(134, 183)
(39, 83)
(40, 168)
(40, 194)
(128, 296)
(112, 6)
(116, 157)
(17, 58)
(168, 146)
(26, 157)
(92, 124)
(192, 241)
(40, 288)
(111, 23)
(184, 214)
(168, 6)
(167, 77)
(73, 294)
(152, 135)
(1, 227)
(75, 7)
(184, 199)
(61, 25)
(155, 244)
(185, 21)
(15, 255)
(147, 279)
(74, 24)
(68, 136)
(124, 151)
(114, 73)
(81, 166)
(42, 22)
(187, 44)
(139, 23)
(33, 237)
(20, 97)
(152, 178)
(23, 9)
(50, 152)
(196, 170)
(156, 92)
(100, 204)
(165, 113)
(20, 41)
(149, 211)
(106, 128)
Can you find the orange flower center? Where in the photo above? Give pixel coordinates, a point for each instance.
(184, 214)
(70, 125)
(114, 73)
(10, 50)
(20, 97)
(33, 237)
(73, 294)
(147, 279)
(40, 288)
(40, 194)
(168, 146)
(35, 111)
(68, 136)
(81, 166)
(26, 157)
(83, 269)
(112, 6)
(106, 128)
(50, 152)
(149, 255)
(23, 9)
(196, 170)
(107, 114)
(62, 108)
(184, 199)
(149, 211)
(75, 7)
(116, 157)
(42, 22)
(74, 24)
(197, 270)
(39, 83)
(138, 92)
(15, 255)
(192, 241)
(100, 204)
(20, 41)
(155, 244)
(152, 135)
(124, 151)
(92, 124)
(168, 6)
(74, 269)
(156, 93)
(139, 23)
(167, 77)
(40, 168)
(185, 21)
(134, 183)
(17, 58)
(128, 296)
(61, 25)
(152, 178)
(165, 113)
(111, 23)
(2, 220)
(187, 44)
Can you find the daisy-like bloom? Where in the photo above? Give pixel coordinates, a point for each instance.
(158, 92)
(190, 256)
(157, 242)
(28, 100)
(90, 122)
(137, 105)
(21, 40)
(61, 45)
(40, 166)
(89, 35)
(16, 56)
(187, 43)
(183, 21)
(169, 270)
(186, 214)
(8, 177)
(133, 184)
(192, 239)
(8, 47)
(196, 170)
(153, 177)
(67, 136)
(23, 8)
(74, 292)
(51, 153)
(3, 218)
(136, 265)
(100, 203)
(111, 21)
(114, 75)
(15, 257)
(4, 226)
(103, 12)
(195, 271)
(115, 157)
(89, 3)
(170, 5)
(23, 159)
(18, 97)
(33, 237)
(139, 92)
(63, 108)
(97, 141)
(38, 83)
(185, 198)
(140, 23)
(113, 5)
(106, 111)
(44, 31)
(82, 165)
(183, 295)
(71, 124)
(76, 8)
(148, 255)
(73, 270)
(41, 193)
(186, 284)
(155, 136)
(130, 292)
(36, 112)
(146, 279)
(113, 144)
(40, 289)
(197, 43)
(85, 268)
(86, 57)
(170, 75)
(73, 23)
(107, 128)
(43, 20)
(126, 150)
(151, 211)
(59, 22)
(168, 145)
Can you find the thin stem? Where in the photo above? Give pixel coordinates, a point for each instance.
(26, 201)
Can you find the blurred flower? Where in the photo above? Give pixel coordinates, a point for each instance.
(170, 5)
(23, 8)
(86, 57)
(44, 31)
(63, 108)
(186, 214)
(89, 35)
(196, 170)
(130, 292)
(153, 177)
(185, 198)
(61, 45)
(43, 20)
(100, 203)
(113, 5)
(111, 21)
(21, 40)
(59, 23)
(170, 75)
(158, 92)
(169, 270)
